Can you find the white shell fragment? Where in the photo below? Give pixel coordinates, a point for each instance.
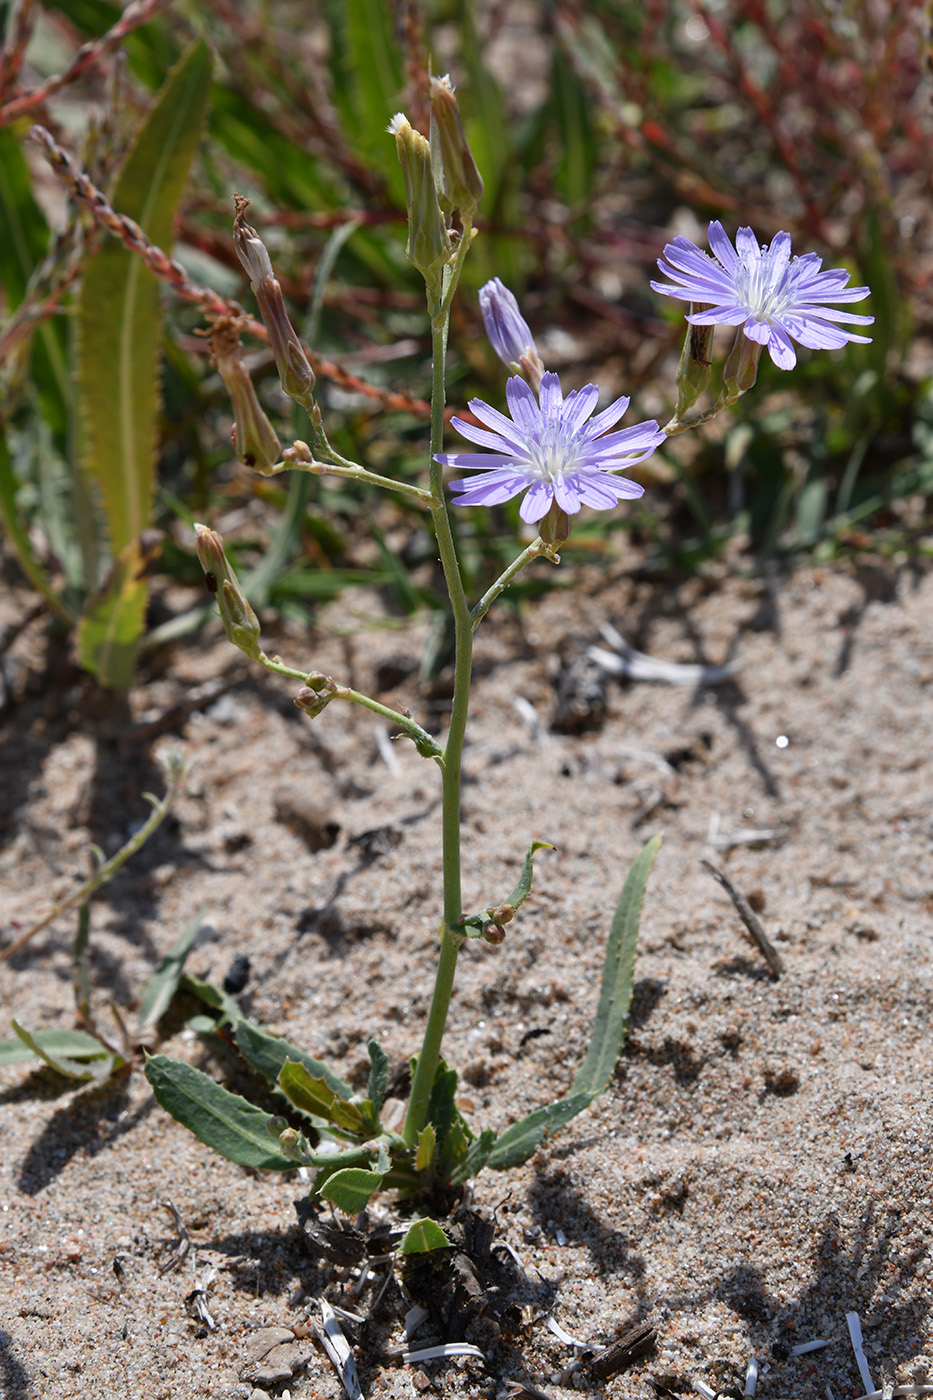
(338, 1349)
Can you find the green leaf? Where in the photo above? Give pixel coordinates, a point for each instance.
(109, 631)
(422, 1236)
(378, 1075)
(427, 1146)
(312, 1094)
(159, 989)
(615, 992)
(214, 997)
(119, 331)
(523, 888)
(219, 1119)
(517, 1143)
(473, 1160)
(74, 1045)
(97, 1067)
(351, 1189)
(267, 1053)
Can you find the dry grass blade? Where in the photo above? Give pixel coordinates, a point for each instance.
(750, 919)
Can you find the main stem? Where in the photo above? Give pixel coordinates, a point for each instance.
(450, 935)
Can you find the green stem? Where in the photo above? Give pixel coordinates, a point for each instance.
(676, 426)
(425, 743)
(534, 551)
(450, 935)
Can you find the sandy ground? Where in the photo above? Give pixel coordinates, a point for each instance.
(760, 1166)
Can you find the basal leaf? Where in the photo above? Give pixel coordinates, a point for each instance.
(221, 1120)
(378, 1074)
(427, 1146)
(351, 1189)
(73, 1045)
(163, 984)
(109, 631)
(89, 1067)
(615, 992)
(517, 1143)
(119, 329)
(267, 1054)
(423, 1236)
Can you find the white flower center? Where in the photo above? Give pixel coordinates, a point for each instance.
(761, 285)
(553, 454)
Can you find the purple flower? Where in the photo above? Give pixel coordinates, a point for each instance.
(773, 297)
(551, 448)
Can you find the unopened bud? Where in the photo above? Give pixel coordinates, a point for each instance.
(494, 934)
(316, 693)
(693, 372)
(555, 528)
(463, 184)
(509, 333)
(429, 246)
(295, 373)
(741, 368)
(504, 914)
(257, 444)
(240, 622)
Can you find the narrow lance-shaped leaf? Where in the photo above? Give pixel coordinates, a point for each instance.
(378, 1074)
(163, 984)
(615, 992)
(119, 329)
(517, 1143)
(268, 1053)
(88, 1068)
(221, 1120)
(51, 1046)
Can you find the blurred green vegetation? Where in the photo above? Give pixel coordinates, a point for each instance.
(600, 128)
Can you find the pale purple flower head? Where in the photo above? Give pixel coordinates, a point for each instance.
(550, 448)
(773, 297)
(508, 331)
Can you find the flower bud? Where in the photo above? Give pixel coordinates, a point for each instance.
(316, 693)
(555, 528)
(741, 368)
(429, 246)
(463, 184)
(257, 444)
(295, 373)
(693, 372)
(494, 934)
(240, 622)
(509, 333)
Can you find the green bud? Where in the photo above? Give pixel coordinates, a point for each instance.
(463, 184)
(741, 368)
(240, 622)
(554, 529)
(693, 372)
(429, 246)
(257, 444)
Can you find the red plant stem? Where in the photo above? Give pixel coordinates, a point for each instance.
(137, 13)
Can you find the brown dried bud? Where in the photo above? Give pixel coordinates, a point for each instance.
(257, 444)
(295, 373)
